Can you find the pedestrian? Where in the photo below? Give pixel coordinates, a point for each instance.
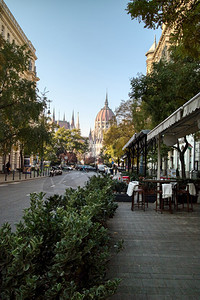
(8, 167)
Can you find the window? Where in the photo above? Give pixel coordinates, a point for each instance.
(2, 31)
(8, 37)
(30, 65)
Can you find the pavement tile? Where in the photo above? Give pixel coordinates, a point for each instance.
(161, 257)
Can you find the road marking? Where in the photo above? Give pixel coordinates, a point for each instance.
(52, 185)
(28, 195)
(3, 185)
(14, 182)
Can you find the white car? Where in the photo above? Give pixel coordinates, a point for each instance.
(101, 168)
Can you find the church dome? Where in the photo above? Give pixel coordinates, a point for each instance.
(105, 114)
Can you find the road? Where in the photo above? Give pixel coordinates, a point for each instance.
(15, 196)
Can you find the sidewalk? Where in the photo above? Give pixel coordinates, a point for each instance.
(161, 256)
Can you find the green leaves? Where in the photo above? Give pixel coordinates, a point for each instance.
(166, 88)
(180, 16)
(61, 249)
(20, 105)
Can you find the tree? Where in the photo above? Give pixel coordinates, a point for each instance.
(119, 132)
(166, 88)
(66, 140)
(182, 17)
(20, 104)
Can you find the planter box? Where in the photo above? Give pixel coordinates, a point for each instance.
(151, 198)
(122, 198)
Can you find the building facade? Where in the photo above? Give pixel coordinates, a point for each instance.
(12, 32)
(102, 123)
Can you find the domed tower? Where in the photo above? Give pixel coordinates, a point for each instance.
(102, 123)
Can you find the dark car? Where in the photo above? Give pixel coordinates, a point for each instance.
(55, 170)
(89, 168)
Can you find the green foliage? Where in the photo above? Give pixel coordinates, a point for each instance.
(119, 132)
(20, 105)
(61, 249)
(119, 186)
(166, 88)
(66, 140)
(180, 16)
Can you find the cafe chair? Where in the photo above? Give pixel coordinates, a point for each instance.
(138, 198)
(166, 197)
(182, 196)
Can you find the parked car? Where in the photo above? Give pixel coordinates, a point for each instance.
(101, 168)
(55, 170)
(89, 168)
(66, 168)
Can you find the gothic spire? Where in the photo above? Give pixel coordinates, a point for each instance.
(78, 124)
(54, 115)
(72, 122)
(106, 101)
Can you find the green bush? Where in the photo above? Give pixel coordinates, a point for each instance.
(60, 249)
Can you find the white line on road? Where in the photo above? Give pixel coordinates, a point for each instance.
(3, 185)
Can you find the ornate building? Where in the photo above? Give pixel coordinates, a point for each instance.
(66, 124)
(102, 123)
(12, 32)
(160, 50)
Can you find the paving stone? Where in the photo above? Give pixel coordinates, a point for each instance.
(161, 255)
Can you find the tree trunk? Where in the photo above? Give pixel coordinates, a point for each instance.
(181, 157)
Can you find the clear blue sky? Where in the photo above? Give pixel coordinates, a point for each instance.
(84, 49)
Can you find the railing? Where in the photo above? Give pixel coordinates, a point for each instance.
(16, 175)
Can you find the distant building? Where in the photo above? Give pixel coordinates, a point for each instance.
(102, 123)
(66, 124)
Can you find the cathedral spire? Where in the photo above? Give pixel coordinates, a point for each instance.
(54, 115)
(78, 124)
(72, 122)
(106, 101)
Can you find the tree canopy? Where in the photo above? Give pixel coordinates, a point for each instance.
(166, 88)
(180, 16)
(63, 141)
(20, 104)
(119, 132)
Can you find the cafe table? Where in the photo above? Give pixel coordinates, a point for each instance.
(159, 183)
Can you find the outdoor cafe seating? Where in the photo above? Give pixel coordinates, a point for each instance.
(171, 195)
(137, 192)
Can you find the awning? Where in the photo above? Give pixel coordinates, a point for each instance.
(184, 121)
(134, 139)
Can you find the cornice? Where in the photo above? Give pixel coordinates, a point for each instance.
(12, 22)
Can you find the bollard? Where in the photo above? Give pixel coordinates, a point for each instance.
(13, 174)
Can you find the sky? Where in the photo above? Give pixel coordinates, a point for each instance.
(85, 49)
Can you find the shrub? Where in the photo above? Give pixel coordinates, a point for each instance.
(61, 249)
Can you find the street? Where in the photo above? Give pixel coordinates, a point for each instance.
(15, 196)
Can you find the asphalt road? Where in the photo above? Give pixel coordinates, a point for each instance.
(15, 196)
